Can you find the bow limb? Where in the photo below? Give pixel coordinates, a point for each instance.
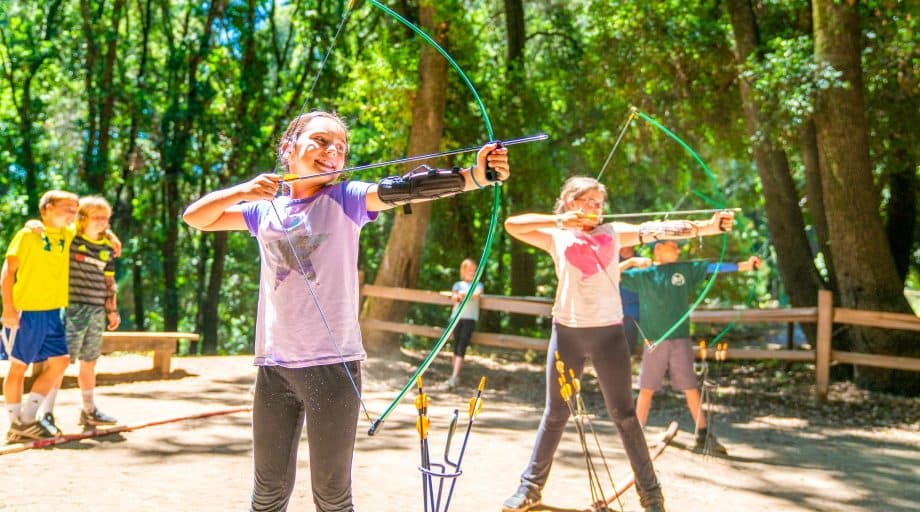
(493, 221)
(747, 303)
(428, 39)
(718, 202)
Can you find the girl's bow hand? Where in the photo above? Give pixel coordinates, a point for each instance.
(492, 156)
(724, 220)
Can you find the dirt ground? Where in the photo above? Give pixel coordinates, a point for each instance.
(787, 453)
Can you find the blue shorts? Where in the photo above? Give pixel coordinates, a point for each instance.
(40, 336)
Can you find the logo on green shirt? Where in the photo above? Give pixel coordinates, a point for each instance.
(678, 279)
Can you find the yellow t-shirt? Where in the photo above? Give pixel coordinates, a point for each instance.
(44, 268)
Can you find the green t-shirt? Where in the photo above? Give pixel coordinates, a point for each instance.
(664, 295)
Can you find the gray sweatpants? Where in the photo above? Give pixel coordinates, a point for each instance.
(284, 398)
(606, 347)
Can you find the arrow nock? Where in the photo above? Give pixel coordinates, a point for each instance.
(576, 383)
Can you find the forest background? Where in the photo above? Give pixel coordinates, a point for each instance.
(806, 111)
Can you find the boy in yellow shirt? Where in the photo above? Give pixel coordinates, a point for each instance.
(34, 287)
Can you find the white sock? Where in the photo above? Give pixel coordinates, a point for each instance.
(89, 404)
(14, 410)
(48, 403)
(30, 408)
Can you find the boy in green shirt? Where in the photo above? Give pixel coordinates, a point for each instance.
(665, 286)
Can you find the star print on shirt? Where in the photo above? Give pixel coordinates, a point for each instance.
(304, 245)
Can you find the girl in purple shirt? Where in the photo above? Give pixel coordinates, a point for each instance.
(308, 342)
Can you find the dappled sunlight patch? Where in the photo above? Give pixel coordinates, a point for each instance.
(783, 422)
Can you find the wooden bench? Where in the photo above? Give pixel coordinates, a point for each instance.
(163, 345)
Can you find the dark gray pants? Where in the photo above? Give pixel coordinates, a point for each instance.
(607, 349)
(284, 398)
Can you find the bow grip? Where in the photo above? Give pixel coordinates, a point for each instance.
(492, 174)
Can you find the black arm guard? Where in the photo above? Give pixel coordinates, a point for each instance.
(423, 183)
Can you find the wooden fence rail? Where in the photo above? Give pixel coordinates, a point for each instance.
(825, 315)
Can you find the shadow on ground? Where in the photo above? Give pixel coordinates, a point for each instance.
(784, 443)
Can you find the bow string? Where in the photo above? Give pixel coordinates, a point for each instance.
(718, 202)
(287, 236)
(483, 260)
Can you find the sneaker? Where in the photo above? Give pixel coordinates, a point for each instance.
(451, 383)
(651, 500)
(96, 417)
(524, 499)
(47, 421)
(707, 442)
(20, 432)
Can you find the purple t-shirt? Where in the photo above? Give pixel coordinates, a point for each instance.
(324, 230)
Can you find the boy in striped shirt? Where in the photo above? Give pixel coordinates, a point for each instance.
(92, 307)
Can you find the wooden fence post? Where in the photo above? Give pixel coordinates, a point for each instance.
(823, 348)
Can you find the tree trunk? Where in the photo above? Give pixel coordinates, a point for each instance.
(243, 129)
(123, 208)
(99, 90)
(210, 307)
(815, 203)
(137, 284)
(785, 222)
(901, 210)
(28, 153)
(107, 112)
(39, 51)
(89, 62)
(401, 259)
(865, 268)
(184, 111)
(517, 37)
(201, 270)
(523, 259)
(170, 249)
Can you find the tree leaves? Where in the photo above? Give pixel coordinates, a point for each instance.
(586, 63)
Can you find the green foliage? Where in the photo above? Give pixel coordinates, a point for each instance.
(786, 78)
(585, 63)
